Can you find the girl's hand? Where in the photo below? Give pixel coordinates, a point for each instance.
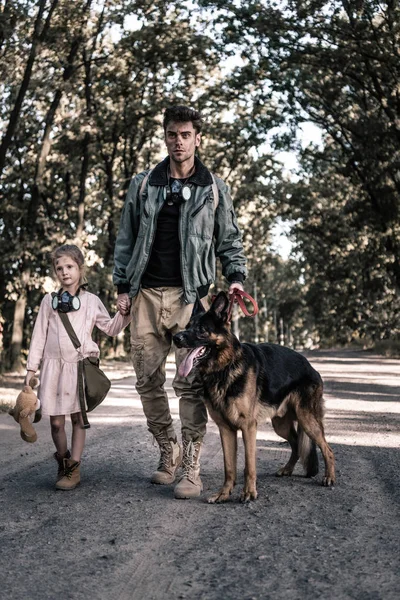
(28, 377)
(124, 304)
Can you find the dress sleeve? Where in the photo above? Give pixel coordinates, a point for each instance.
(110, 326)
(39, 335)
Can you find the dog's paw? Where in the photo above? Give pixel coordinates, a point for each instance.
(248, 494)
(221, 496)
(328, 482)
(284, 472)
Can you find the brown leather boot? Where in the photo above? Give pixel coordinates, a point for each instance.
(190, 484)
(71, 477)
(170, 459)
(60, 461)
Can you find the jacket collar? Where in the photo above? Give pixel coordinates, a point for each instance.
(201, 175)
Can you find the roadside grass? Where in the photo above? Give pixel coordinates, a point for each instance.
(388, 348)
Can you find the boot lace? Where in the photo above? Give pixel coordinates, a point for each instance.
(164, 464)
(60, 461)
(189, 458)
(70, 469)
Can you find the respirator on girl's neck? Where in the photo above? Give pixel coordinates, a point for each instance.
(65, 302)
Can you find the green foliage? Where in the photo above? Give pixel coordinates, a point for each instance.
(83, 87)
(101, 76)
(335, 64)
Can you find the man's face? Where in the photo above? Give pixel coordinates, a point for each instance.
(181, 140)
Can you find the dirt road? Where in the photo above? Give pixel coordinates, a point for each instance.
(119, 537)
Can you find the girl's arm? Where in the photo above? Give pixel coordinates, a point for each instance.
(110, 326)
(39, 336)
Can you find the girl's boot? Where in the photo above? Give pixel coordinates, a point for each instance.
(71, 477)
(60, 460)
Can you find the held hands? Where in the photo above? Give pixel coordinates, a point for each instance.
(124, 304)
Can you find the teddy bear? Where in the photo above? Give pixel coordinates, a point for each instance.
(27, 405)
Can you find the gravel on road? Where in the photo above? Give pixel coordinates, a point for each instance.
(117, 537)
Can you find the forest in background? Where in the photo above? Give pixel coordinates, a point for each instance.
(83, 88)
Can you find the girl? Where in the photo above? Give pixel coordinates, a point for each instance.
(52, 347)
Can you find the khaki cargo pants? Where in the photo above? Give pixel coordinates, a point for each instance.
(157, 314)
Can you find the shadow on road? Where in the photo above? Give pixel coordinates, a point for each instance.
(117, 537)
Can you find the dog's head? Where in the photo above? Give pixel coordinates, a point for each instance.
(206, 333)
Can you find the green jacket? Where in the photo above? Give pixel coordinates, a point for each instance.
(205, 232)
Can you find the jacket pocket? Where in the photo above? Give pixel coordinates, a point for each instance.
(199, 209)
(201, 219)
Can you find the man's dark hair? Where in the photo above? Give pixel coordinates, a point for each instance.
(182, 114)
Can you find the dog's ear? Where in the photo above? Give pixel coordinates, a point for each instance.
(220, 306)
(198, 307)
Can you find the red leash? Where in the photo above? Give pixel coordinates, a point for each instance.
(237, 297)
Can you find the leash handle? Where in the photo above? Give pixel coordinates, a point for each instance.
(237, 297)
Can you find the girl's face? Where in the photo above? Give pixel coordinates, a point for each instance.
(68, 273)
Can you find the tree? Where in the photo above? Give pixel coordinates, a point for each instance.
(335, 64)
(90, 119)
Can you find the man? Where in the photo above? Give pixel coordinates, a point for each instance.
(176, 219)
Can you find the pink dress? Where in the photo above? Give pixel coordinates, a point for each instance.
(51, 347)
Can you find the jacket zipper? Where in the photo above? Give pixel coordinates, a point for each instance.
(199, 208)
(182, 261)
(152, 239)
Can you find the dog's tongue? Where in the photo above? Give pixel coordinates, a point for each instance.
(187, 364)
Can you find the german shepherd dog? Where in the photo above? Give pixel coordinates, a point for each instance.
(243, 383)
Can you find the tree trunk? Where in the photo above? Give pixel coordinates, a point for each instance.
(19, 313)
(46, 142)
(37, 39)
(235, 321)
(87, 138)
(8, 24)
(18, 325)
(82, 185)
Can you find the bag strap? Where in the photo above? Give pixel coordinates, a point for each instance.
(74, 339)
(142, 187)
(215, 192)
(70, 330)
(81, 378)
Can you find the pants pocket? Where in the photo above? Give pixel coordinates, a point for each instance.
(137, 350)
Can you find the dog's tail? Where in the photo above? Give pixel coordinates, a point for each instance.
(308, 453)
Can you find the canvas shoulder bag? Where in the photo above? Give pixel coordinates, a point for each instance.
(93, 383)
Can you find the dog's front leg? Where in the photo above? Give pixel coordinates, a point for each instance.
(229, 448)
(249, 432)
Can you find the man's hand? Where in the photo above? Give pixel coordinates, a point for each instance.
(235, 286)
(124, 304)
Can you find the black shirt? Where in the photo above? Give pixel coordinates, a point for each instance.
(164, 266)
